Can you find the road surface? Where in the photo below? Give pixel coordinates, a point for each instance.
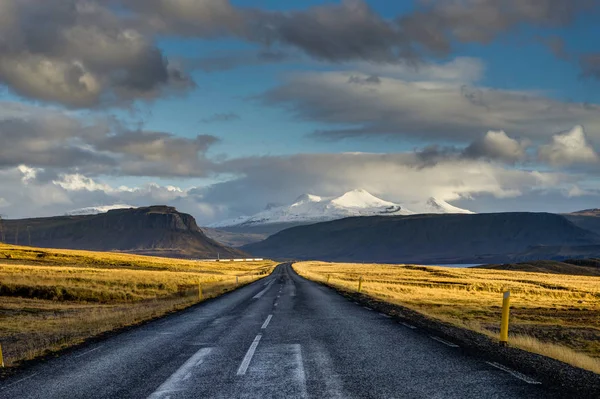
(280, 337)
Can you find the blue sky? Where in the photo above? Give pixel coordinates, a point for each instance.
(405, 98)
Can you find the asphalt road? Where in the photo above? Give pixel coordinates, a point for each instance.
(280, 337)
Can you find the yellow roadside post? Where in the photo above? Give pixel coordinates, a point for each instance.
(360, 280)
(199, 290)
(505, 315)
(328, 276)
(1, 357)
(237, 281)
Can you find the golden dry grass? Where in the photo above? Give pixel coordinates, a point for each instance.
(50, 299)
(554, 315)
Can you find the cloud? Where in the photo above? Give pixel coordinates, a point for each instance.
(423, 109)
(497, 145)
(80, 54)
(568, 148)
(440, 22)
(224, 117)
(401, 177)
(57, 142)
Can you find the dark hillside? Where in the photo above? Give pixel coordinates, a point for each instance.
(451, 238)
(155, 230)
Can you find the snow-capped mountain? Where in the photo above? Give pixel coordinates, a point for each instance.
(434, 205)
(309, 208)
(93, 210)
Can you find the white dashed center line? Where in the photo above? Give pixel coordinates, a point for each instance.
(408, 325)
(367, 308)
(266, 323)
(248, 358)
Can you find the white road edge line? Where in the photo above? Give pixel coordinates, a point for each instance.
(266, 323)
(182, 374)
(514, 373)
(21, 380)
(248, 357)
(408, 325)
(385, 315)
(90, 351)
(443, 341)
(367, 308)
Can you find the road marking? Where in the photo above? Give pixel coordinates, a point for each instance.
(90, 351)
(514, 373)
(408, 325)
(367, 308)
(385, 315)
(275, 304)
(355, 302)
(266, 323)
(300, 374)
(268, 282)
(248, 357)
(263, 291)
(182, 374)
(21, 380)
(443, 341)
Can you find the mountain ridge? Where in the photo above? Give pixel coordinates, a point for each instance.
(431, 238)
(310, 208)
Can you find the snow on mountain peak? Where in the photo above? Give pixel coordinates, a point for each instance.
(307, 198)
(360, 199)
(309, 208)
(435, 205)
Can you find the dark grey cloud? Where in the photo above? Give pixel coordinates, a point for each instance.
(52, 141)
(423, 109)
(80, 54)
(221, 117)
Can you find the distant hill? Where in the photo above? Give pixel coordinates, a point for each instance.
(588, 219)
(430, 239)
(232, 238)
(155, 230)
(581, 267)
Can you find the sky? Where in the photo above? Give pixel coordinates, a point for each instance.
(220, 107)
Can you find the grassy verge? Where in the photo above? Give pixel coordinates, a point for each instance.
(553, 315)
(52, 299)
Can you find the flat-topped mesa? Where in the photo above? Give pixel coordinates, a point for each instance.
(151, 217)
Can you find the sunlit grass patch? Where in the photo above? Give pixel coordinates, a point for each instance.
(551, 314)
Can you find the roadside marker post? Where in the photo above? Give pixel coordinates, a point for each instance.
(199, 291)
(505, 317)
(1, 357)
(328, 276)
(360, 281)
(237, 281)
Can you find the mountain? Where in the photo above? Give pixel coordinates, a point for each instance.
(156, 230)
(588, 219)
(94, 210)
(434, 205)
(310, 208)
(431, 238)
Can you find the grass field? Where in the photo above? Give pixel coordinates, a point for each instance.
(50, 299)
(554, 315)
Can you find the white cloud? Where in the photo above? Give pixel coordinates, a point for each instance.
(497, 145)
(568, 148)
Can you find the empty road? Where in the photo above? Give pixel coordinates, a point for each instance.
(280, 337)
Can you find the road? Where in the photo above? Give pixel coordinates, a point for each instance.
(280, 337)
